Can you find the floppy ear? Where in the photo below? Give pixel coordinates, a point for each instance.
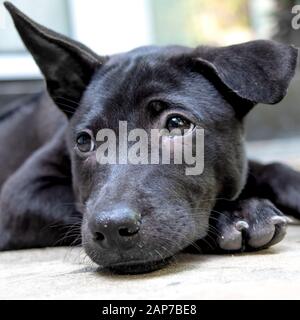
(67, 65)
(257, 72)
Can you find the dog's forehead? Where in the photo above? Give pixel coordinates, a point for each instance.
(145, 63)
(128, 79)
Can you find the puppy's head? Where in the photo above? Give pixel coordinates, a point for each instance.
(137, 216)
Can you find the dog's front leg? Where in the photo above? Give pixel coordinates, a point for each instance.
(37, 204)
(276, 182)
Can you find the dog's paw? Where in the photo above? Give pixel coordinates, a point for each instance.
(251, 225)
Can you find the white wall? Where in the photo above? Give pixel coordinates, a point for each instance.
(111, 26)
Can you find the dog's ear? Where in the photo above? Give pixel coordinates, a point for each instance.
(257, 72)
(67, 65)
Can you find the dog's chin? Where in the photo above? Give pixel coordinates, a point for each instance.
(132, 268)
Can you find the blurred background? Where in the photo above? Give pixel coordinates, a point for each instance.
(110, 26)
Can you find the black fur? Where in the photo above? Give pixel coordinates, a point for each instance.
(55, 189)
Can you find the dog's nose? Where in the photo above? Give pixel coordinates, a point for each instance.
(117, 228)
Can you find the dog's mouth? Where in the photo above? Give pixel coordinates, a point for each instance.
(138, 267)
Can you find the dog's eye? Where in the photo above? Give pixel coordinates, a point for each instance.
(85, 142)
(178, 122)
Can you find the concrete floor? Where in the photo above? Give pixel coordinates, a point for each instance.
(65, 274)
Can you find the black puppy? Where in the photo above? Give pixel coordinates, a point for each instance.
(134, 218)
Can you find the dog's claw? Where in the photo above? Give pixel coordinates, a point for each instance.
(279, 220)
(242, 225)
